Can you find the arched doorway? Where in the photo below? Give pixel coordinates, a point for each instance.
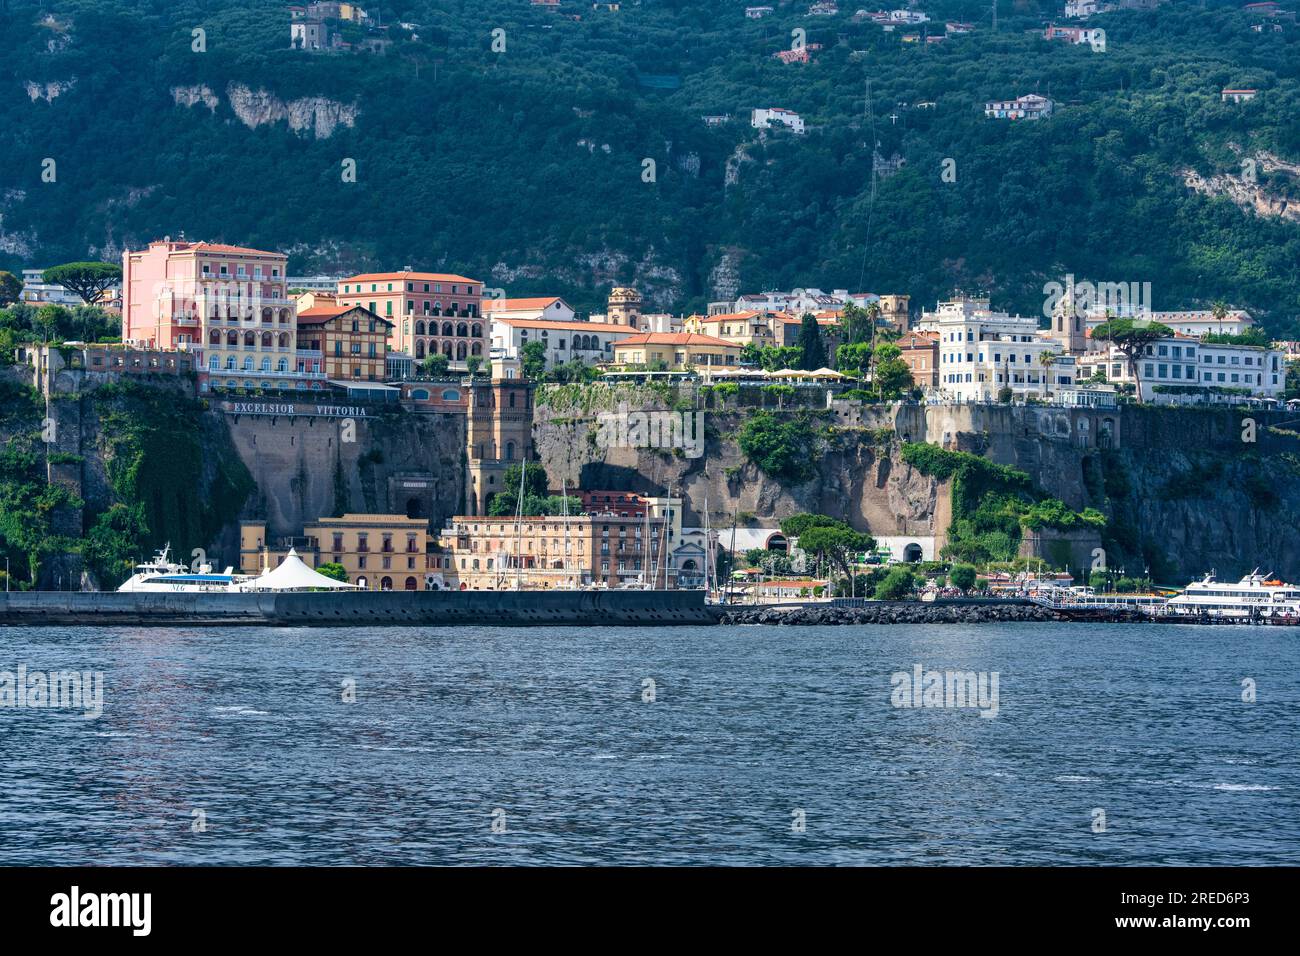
(912, 553)
(385, 584)
(414, 509)
(411, 584)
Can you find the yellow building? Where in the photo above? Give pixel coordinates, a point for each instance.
(739, 328)
(379, 552)
(676, 351)
(599, 548)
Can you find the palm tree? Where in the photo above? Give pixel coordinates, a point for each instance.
(1045, 359)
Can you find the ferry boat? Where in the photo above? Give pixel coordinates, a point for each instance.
(1255, 597)
(164, 575)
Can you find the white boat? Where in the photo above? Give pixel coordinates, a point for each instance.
(166, 576)
(1254, 596)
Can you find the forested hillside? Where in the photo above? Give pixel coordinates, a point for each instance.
(526, 166)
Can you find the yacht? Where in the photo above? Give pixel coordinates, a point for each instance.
(1256, 596)
(164, 575)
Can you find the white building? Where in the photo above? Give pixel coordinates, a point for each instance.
(313, 283)
(1029, 107)
(1082, 9)
(590, 342)
(1180, 368)
(1195, 323)
(764, 118)
(827, 8)
(757, 13)
(547, 308)
(982, 351)
(36, 291)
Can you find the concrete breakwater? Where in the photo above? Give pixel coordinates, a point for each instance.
(907, 612)
(366, 609)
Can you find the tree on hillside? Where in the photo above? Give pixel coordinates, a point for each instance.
(835, 544)
(853, 359)
(795, 525)
(811, 346)
(87, 279)
(434, 365)
(11, 287)
(533, 356)
(1045, 360)
(892, 377)
(856, 323)
(1131, 337)
(332, 570)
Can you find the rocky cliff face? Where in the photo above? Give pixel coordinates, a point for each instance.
(1185, 493)
(315, 116)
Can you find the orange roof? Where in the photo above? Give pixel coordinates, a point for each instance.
(234, 250)
(509, 305)
(324, 311)
(673, 338)
(418, 276)
(570, 326)
(728, 316)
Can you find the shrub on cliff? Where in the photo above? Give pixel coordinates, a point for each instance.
(784, 449)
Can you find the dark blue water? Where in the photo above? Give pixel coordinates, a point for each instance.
(749, 725)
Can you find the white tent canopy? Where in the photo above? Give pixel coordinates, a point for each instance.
(293, 575)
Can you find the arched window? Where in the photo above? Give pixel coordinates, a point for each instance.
(266, 315)
(214, 337)
(250, 339)
(446, 328)
(446, 349)
(419, 326)
(411, 584)
(385, 584)
(419, 348)
(460, 350)
(450, 395)
(266, 365)
(284, 316)
(282, 365)
(248, 366)
(232, 339)
(510, 451)
(437, 308)
(284, 340)
(267, 340)
(419, 394)
(462, 330)
(230, 363)
(476, 331)
(214, 362)
(477, 348)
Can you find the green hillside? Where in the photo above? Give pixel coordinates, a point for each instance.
(470, 159)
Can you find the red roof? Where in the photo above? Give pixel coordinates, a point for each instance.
(673, 338)
(234, 250)
(511, 305)
(570, 326)
(417, 276)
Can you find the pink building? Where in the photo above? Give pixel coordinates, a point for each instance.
(226, 304)
(431, 312)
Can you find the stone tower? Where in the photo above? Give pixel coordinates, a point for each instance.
(624, 308)
(498, 434)
(1068, 326)
(893, 309)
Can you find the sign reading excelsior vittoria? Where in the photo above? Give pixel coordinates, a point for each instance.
(293, 409)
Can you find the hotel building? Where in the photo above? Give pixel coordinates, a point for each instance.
(602, 548)
(379, 552)
(982, 351)
(352, 343)
(226, 304)
(1184, 365)
(431, 312)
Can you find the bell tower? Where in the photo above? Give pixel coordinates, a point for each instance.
(624, 308)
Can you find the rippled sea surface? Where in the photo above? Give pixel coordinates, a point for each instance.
(244, 735)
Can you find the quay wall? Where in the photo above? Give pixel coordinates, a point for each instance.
(370, 608)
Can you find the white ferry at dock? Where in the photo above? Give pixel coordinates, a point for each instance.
(1255, 597)
(162, 575)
